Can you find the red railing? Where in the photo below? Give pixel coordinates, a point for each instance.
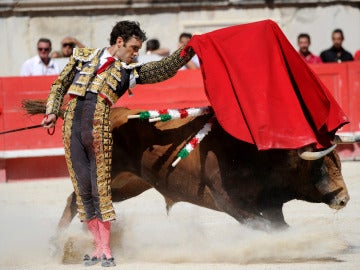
(183, 90)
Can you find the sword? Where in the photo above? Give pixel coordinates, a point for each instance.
(25, 128)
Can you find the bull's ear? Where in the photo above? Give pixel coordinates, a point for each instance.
(311, 155)
(345, 139)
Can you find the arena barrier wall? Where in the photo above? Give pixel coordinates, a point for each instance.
(33, 154)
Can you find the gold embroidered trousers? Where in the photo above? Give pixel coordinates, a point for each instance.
(88, 149)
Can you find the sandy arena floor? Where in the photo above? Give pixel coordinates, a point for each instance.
(190, 238)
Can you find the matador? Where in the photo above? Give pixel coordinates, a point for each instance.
(95, 79)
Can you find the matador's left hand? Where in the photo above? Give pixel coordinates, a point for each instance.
(49, 121)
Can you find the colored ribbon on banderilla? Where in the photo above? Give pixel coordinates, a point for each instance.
(170, 114)
(194, 142)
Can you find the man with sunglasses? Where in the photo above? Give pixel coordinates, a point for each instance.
(67, 46)
(41, 64)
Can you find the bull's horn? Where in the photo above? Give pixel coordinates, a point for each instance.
(345, 139)
(309, 155)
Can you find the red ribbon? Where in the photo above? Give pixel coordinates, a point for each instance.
(109, 61)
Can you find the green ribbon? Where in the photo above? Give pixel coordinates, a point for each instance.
(183, 153)
(165, 117)
(144, 115)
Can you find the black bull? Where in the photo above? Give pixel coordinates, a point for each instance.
(222, 173)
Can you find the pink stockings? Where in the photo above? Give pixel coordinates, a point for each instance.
(104, 229)
(100, 230)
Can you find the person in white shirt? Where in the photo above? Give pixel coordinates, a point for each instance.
(194, 63)
(41, 64)
(153, 52)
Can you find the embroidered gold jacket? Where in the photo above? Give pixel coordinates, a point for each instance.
(79, 76)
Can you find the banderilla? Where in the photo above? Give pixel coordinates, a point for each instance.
(26, 128)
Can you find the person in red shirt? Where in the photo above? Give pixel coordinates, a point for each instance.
(304, 44)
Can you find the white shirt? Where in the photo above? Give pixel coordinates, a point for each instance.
(149, 57)
(61, 62)
(196, 61)
(104, 56)
(35, 67)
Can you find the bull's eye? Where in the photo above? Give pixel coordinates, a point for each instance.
(324, 170)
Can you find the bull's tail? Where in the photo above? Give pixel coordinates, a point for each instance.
(169, 204)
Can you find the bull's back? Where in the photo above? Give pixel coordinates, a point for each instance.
(148, 150)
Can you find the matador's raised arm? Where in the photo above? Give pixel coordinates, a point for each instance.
(164, 69)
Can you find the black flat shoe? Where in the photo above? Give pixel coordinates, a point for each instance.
(107, 262)
(90, 261)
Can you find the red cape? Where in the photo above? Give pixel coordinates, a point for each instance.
(261, 90)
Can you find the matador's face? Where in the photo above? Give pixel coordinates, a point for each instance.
(127, 51)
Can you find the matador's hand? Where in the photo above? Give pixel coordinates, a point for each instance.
(49, 121)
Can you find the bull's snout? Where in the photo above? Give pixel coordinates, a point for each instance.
(340, 201)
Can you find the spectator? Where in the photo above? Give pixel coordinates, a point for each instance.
(41, 64)
(194, 63)
(304, 44)
(336, 53)
(153, 52)
(357, 55)
(67, 46)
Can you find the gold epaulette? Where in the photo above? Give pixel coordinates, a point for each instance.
(84, 54)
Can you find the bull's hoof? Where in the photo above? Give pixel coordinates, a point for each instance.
(54, 247)
(71, 252)
(263, 224)
(280, 226)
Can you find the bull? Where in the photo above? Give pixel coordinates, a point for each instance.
(222, 173)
